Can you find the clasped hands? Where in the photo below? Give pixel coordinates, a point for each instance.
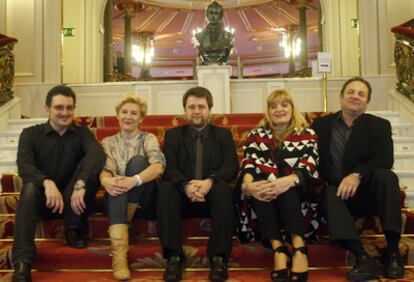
(118, 185)
(196, 190)
(268, 190)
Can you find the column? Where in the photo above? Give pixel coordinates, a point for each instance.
(108, 59)
(303, 34)
(129, 10)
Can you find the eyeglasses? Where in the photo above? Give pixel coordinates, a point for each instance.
(61, 108)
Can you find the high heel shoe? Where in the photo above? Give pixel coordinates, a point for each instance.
(299, 276)
(280, 275)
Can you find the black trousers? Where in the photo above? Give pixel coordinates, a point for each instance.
(32, 209)
(283, 212)
(380, 196)
(117, 206)
(173, 205)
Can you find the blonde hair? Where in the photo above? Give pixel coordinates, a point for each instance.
(131, 98)
(297, 122)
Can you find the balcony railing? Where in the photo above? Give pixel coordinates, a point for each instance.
(6, 68)
(404, 57)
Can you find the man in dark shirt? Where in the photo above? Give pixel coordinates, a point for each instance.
(59, 163)
(201, 160)
(356, 157)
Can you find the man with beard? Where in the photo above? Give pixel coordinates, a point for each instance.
(201, 161)
(59, 163)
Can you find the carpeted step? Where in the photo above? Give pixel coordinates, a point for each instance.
(147, 254)
(329, 275)
(315, 275)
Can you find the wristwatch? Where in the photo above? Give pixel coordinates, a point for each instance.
(79, 185)
(358, 175)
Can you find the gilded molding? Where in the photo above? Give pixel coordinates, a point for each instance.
(404, 60)
(6, 72)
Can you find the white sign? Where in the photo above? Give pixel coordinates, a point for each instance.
(324, 62)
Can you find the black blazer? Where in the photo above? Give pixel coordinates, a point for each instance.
(219, 156)
(369, 147)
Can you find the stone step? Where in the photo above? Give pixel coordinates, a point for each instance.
(393, 117)
(9, 137)
(8, 166)
(8, 151)
(19, 124)
(401, 129)
(403, 144)
(404, 160)
(406, 177)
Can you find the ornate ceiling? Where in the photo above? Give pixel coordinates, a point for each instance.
(201, 4)
(255, 23)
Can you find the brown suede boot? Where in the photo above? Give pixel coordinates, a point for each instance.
(132, 208)
(119, 243)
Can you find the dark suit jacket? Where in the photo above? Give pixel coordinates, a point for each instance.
(369, 147)
(219, 156)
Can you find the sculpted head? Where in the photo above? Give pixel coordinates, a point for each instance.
(214, 12)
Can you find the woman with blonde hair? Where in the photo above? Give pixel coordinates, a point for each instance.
(133, 162)
(279, 172)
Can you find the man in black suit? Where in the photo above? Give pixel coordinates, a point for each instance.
(356, 156)
(201, 161)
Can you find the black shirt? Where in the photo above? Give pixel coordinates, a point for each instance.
(44, 154)
(339, 137)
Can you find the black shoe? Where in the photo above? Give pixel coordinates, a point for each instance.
(394, 266)
(173, 269)
(22, 272)
(74, 238)
(365, 268)
(218, 270)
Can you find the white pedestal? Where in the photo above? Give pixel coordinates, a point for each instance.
(216, 78)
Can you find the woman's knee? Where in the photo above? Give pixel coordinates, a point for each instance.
(135, 165)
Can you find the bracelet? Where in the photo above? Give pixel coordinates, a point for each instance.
(139, 180)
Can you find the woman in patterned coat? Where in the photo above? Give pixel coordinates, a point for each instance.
(133, 162)
(279, 171)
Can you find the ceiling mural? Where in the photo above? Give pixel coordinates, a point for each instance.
(257, 25)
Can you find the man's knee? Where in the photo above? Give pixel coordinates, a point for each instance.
(166, 191)
(221, 191)
(135, 165)
(384, 175)
(30, 192)
(385, 179)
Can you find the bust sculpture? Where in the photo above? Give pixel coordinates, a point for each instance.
(215, 43)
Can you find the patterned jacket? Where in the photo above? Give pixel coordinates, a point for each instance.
(300, 157)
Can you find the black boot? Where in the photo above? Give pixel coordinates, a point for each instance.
(74, 238)
(22, 272)
(173, 269)
(218, 270)
(365, 268)
(394, 266)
